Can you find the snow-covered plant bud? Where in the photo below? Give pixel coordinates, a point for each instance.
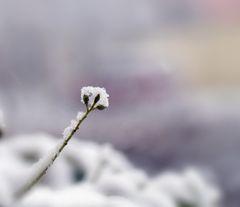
(85, 99)
(96, 96)
(101, 107)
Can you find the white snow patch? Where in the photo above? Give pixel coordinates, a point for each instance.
(108, 178)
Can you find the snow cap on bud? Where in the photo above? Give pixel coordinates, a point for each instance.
(95, 96)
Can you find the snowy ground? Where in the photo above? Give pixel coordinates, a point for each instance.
(93, 175)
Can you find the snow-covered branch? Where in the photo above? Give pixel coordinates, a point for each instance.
(93, 98)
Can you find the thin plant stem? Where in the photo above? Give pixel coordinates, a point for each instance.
(26, 188)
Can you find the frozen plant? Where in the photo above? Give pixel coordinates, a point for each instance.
(94, 98)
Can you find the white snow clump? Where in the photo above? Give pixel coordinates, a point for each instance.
(116, 183)
(89, 93)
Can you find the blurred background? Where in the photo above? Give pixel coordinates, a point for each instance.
(171, 68)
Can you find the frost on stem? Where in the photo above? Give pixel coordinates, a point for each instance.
(93, 98)
(73, 125)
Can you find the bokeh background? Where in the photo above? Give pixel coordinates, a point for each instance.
(171, 68)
